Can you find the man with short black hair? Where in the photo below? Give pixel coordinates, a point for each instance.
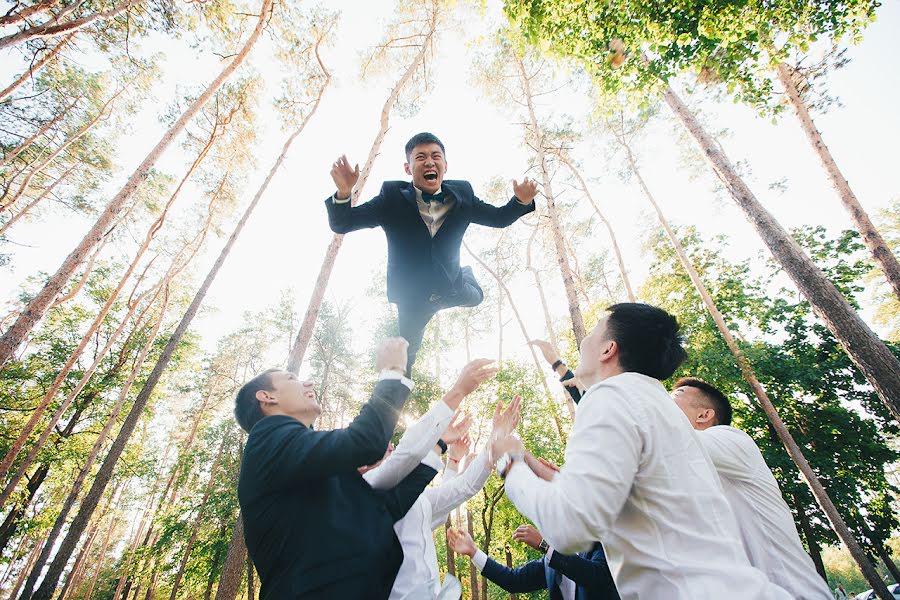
(768, 531)
(314, 527)
(635, 475)
(424, 222)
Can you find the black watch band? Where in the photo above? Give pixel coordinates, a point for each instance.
(557, 364)
(443, 446)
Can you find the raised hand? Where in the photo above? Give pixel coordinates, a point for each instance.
(525, 191)
(391, 354)
(459, 449)
(500, 446)
(344, 176)
(505, 421)
(546, 349)
(529, 536)
(458, 428)
(461, 542)
(473, 374)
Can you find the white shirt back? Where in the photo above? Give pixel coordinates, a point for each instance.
(637, 478)
(767, 528)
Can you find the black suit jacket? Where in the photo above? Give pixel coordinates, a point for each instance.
(309, 517)
(419, 265)
(588, 570)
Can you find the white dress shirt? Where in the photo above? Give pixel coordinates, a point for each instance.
(429, 512)
(767, 527)
(637, 477)
(566, 585)
(414, 447)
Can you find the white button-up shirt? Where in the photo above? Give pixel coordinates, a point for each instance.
(767, 527)
(637, 477)
(429, 512)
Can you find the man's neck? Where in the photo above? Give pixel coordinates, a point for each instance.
(307, 420)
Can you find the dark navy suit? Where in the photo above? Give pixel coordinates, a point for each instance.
(423, 272)
(588, 570)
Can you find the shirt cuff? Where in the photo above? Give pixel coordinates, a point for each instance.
(433, 460)
(396, 376)
(337, 200)
(479, 560)
(516, 197)
(549, 555)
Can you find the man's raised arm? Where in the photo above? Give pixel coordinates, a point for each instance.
(342, 216)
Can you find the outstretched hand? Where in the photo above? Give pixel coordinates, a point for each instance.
(461, 542)
(546, 349)
(525, 191)
(528, 535)
(458, 428)
(505, 421)
(344, 176)
(473, 374)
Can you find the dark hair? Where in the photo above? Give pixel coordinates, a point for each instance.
(421, 139)
(647, 337)
(717, 399)
(246, 406)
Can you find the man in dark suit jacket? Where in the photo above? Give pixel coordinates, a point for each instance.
(584, 576)
(424, 222)
(314, 528)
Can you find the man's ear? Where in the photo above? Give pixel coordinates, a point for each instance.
(611, 351)
(406, 169)
(265, 397)
(708, 416)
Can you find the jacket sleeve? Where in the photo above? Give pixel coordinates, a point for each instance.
(296, 454)
(450, 494)
(499, 216)
(592, 573)
(573, 391)
(344, 218)
(530, 577)
(401, 497)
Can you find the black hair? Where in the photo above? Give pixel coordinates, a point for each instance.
(718, 400)
(246, 406)
(647, 338)
(420, 139)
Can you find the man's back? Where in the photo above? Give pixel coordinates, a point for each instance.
(766, 525)
(637, 477)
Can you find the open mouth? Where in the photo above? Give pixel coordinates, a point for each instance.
(430, 176)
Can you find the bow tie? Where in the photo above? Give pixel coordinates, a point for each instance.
(439, 197)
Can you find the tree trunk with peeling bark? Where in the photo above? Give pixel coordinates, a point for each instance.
(881, 253)
(34, 68)
(880, 367)
(233, 569)
(562, 257)
(36, 308)
(11, 18)
(784, 435)
(295, 359)
(50, 28)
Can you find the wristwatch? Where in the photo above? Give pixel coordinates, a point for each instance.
(505, 463)
(543, 546)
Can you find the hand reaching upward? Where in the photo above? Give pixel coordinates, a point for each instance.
(344, 177)
(505, 421)
(458, 428)
(525, 191)
(461, 542)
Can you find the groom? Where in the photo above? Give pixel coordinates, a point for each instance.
(424, 222)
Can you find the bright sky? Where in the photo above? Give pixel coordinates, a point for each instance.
(283, 244)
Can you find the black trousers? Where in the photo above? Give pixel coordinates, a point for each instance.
(413, 317)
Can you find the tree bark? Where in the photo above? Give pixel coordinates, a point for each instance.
(34, 68)
(793, 450)
(51, 29)
(612, 234)
(880, 367)
(36, 308)
(295, 359)
(11, 18)
(509, 565)
(451, 556)
(473, 572)
(26, 569)
(562, 256)
(881, 253)
(813, 546)
(233, 569)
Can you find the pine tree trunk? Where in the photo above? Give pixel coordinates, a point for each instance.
(15, 152)
(11, 18)
(451, 556)
(26, 568)
(509, 565)
(251, 587)
(14, 516)
(195, 529)
(796, 454)
(612, 234)
(36, 67)
(34, 311)
(100, 558)
(74, 578)
(815, 552)
(473, 572)
(880, 367)
(23, 542)
(881, 253)
(295, 359)
(562, 256)
(537, 363)
(35, 201)
(233, 569)
(46, 30)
